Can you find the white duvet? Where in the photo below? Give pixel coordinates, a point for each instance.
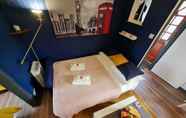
(107, 83)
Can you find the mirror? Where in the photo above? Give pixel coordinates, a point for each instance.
(139, 11)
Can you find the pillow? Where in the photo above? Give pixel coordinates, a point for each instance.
(119, 59)
(129, 70)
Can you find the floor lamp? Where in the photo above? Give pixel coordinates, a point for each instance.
(38, 13)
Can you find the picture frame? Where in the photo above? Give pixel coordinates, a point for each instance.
(80, 17)
(139, 11)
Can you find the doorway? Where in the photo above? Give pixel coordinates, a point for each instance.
(167, 37)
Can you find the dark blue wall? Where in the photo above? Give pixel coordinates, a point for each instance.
(158, 12)
(80, 46)
(46, 43)
(10, 56)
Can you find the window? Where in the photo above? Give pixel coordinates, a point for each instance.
(175, 22)
(165, 36)
(183, 5)
(182, 12)
(171, 28)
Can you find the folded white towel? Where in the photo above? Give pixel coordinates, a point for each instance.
(81, 80)
(77, 67)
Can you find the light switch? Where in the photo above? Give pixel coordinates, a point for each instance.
(151, 36)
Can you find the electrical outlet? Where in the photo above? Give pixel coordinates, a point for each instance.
(34, 92)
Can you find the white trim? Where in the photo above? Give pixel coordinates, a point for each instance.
(160, 31)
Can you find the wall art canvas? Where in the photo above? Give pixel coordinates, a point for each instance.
(80, 17)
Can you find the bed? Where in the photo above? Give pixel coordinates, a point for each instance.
(108, 83)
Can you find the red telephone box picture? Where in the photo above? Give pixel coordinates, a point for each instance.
(81, 17)
(104, 17)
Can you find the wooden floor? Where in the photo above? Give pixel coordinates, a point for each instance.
(161, 97)
(157, 94)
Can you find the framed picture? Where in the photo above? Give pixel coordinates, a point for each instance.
(139, 11)
(80, 17)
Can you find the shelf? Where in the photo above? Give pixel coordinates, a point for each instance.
(19, 32)
(128, 35)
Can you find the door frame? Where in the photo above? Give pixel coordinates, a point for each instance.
(161, 30)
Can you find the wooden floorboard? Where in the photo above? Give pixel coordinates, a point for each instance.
(157, 94)
(161, 97)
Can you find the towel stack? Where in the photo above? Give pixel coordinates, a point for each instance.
(80, 79)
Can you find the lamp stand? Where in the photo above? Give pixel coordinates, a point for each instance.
(30, 47)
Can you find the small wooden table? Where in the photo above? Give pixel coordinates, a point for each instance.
(101, 108)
